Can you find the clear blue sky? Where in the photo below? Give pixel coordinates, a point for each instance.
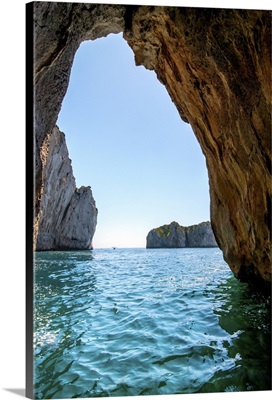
(128, 142)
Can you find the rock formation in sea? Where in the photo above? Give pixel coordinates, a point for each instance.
(216, 66)
(68, 215)
(175, 236)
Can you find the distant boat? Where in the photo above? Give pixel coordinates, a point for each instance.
(114, 248)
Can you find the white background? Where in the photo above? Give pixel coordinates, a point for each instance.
(12, 196)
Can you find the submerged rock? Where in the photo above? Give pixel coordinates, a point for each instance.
(68, 215)
(175, 236)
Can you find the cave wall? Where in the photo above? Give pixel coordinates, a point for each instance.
(216, 66)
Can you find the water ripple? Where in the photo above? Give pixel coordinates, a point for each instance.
(146, 322)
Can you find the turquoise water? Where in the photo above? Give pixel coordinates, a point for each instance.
(146, 322)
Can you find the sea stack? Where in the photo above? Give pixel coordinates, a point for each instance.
(68, 215)
(176, 236)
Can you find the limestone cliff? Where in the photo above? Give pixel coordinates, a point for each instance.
(216, 66)
(176, 236)
(68, 215)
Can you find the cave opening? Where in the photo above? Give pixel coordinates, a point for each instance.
(128, 142)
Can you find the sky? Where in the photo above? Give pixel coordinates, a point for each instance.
(127, 141)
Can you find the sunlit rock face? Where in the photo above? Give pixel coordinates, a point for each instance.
(177, 236)
(68, 215)
(216, 66)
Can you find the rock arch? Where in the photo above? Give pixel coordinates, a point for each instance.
(216, 66)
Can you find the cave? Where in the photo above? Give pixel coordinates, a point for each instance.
(216, 67)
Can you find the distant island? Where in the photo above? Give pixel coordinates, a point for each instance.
(176, 236)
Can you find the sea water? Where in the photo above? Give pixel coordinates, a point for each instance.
(132, 322)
